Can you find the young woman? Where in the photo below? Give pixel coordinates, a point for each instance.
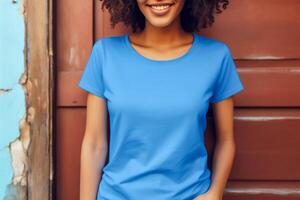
(157, 84)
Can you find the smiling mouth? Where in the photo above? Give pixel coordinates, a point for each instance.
(163, 6)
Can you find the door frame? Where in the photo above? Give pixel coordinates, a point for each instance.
(38, 82)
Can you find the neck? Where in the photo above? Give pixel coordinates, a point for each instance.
(163, 36)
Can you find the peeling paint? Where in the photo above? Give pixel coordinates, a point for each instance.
(266, 118)
(270, 191)
(15, 192)
(2, 91)
(269, 70)
(73, 56)
(18, 150)
(25, 111)
(5, 90)
(15, 131)
(5, 172)
(31, 114)
(25, 133)
(19, 162)
(11, 193)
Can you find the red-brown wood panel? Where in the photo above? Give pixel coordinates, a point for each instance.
(74, 39)
(263, 36)
(74, 33)
(260, 29)
(71, 122)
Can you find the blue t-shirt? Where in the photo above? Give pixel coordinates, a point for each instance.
(157, 116)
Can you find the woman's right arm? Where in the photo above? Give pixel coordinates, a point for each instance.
(94, 147)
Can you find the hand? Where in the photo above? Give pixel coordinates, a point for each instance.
(210, 195)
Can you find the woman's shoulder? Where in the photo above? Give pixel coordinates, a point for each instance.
(112, 39)
(112, 43)
(213, 44)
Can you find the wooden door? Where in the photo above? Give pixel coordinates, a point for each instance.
(264, 39)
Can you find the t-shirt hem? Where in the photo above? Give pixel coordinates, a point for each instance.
(204, 188)
(227, 94)
(91, 90)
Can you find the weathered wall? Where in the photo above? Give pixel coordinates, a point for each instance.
(26, 89)
(14, 135)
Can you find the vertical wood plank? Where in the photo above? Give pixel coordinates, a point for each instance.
(38, 81)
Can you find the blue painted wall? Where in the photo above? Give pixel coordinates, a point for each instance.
(12, 96)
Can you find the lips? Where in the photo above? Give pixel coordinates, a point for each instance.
(160, 8)
(160, 4)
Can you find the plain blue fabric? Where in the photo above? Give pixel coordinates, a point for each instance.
(157, 112)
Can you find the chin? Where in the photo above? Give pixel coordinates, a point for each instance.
(160, 24)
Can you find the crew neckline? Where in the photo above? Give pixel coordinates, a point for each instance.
(182, 57)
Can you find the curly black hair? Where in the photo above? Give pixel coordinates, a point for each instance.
(196, 14)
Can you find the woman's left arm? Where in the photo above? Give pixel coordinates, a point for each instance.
(224, 150)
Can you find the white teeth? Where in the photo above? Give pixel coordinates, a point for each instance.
(160, 7)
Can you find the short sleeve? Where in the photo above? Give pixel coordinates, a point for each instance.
(228, 82)
(92, 76)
